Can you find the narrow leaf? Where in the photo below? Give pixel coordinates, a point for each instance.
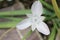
(53, 32)
(56, 9)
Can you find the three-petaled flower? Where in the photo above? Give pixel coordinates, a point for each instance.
(35, 20)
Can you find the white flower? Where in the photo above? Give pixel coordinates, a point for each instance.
(35, 20)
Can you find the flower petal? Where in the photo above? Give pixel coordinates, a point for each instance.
(41, 18)
(43, 28)
(33, 26)
(24, 24)
(37, 8)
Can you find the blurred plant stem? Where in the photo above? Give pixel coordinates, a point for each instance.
(58, 35)
(53, 31)
(56, 9)
(19, 33)
(1, 37)
(27, 35)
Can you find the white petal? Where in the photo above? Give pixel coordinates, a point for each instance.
(42, 18)
(37, 8)
(43, 28)
(23, 24)
(33, 26)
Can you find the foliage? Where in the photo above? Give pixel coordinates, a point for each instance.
(53, 16)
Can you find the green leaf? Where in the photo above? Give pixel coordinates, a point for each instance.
(12, 23)
(53, 32)
(58, 22)
(46, 4)
(48, 14)
(16, 12)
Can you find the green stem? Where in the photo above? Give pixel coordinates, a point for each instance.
(57, 11)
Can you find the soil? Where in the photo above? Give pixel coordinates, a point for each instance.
(13, 35)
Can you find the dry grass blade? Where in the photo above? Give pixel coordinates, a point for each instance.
(19, 33)
(6, 33)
